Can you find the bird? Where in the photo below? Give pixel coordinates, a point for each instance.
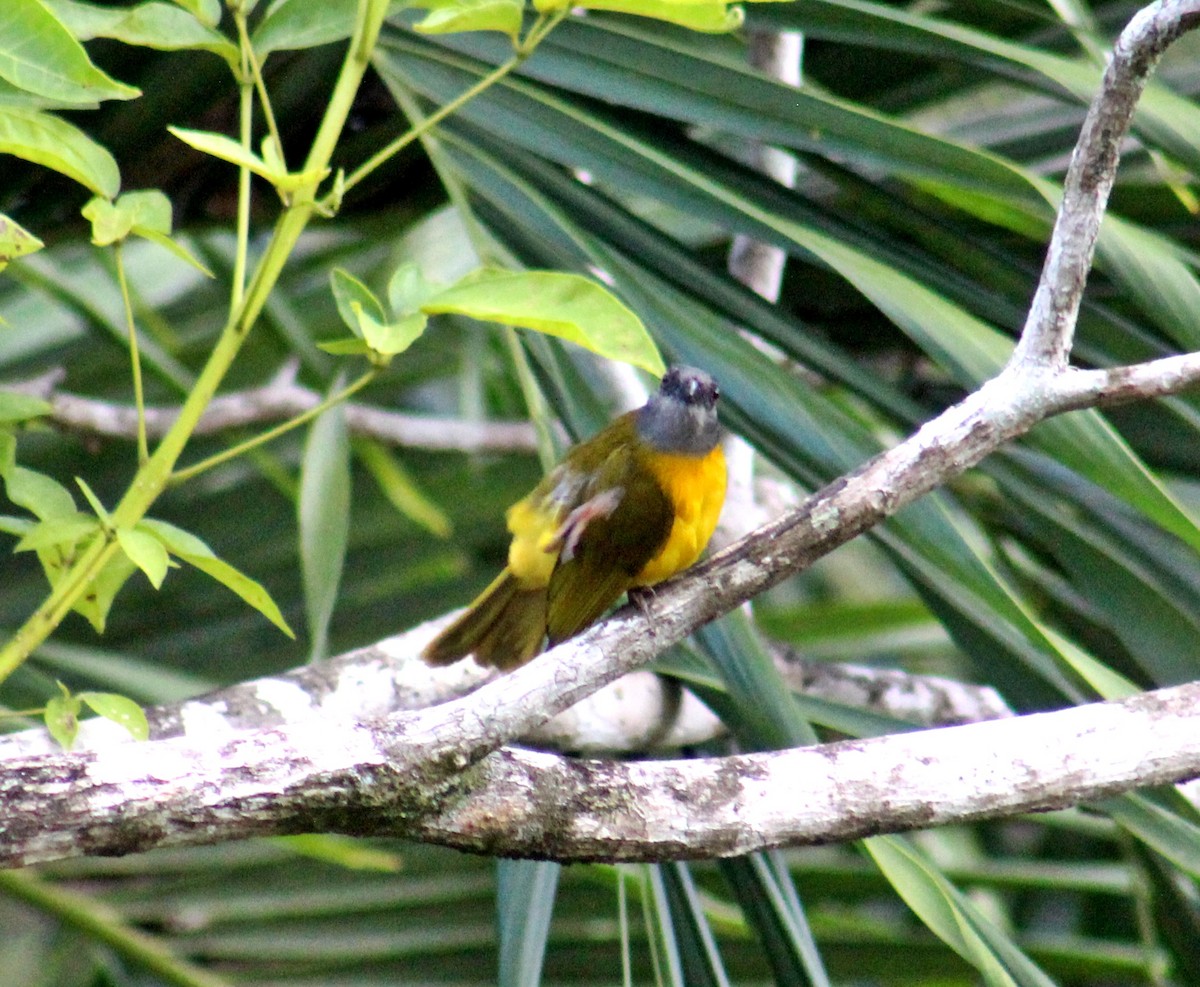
(631, 506)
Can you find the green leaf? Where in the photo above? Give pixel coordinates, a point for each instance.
(767, 897)
(145, 213)
(346, 852)
(207, 12)
(39, 494)
(97, 506)
(174, 247)
(96, 603)
(195, 552)
(120, 709)
(525, 895)
(65, 531)
(569, 306)
(699, 957)
(1167, 832)
(408, 290)
(400, 488)
(449, 16)
(62, 717)
(389, 338)
(16, 526)
(163, 26)
(226, 149)
(348, 291)
(149, 210)
(109, 222)
(294, 24)
(346, 347)
(17, 407)
(55, 144)
(324, 518)
(39, 54)
(146, 552)
(15, 241)
(717, 17)
(952, 917)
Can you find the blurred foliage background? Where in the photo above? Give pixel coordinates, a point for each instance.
(930, 141)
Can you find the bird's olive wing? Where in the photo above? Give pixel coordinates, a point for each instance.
(606, 539)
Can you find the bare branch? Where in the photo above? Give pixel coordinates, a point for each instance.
(277, 401)
(1050, 326)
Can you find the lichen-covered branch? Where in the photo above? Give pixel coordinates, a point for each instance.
(443, 773)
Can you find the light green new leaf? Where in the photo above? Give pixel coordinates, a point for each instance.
(110, 223)
(15, 526)
(450, 16)
(39, 54)
(145, 213)
(149, 210)
(348, 292)
(46, 140)
(389, 338)
(569, 306)
(294, 24)
(62, 717)
(408, 290)
(95, 604)
(146, 552)
(227, 149)
(174, 247)
(38, 493)
(16, 407)
(711, 18)
(164, 26)
(346, 347)
(65, 531)
(324, 519)
(190, 549)
(951, 917)
(90, 496)
(207, 12)
(120, 709)
(15, 241)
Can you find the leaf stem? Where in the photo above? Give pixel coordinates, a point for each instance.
(135, 359)
(154, 475)
(250, 61)
(401, 142)
(237, 291)
(179, 476)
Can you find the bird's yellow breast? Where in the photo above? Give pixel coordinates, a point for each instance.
(696, 486)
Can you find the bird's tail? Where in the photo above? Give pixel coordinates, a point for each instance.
(503, 627)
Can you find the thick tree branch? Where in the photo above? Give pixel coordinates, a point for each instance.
(364, 778)
(638, 714)
(438, 774)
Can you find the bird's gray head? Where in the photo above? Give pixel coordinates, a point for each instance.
(682, 417)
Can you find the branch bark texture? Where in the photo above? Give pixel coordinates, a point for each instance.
(440, 774)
